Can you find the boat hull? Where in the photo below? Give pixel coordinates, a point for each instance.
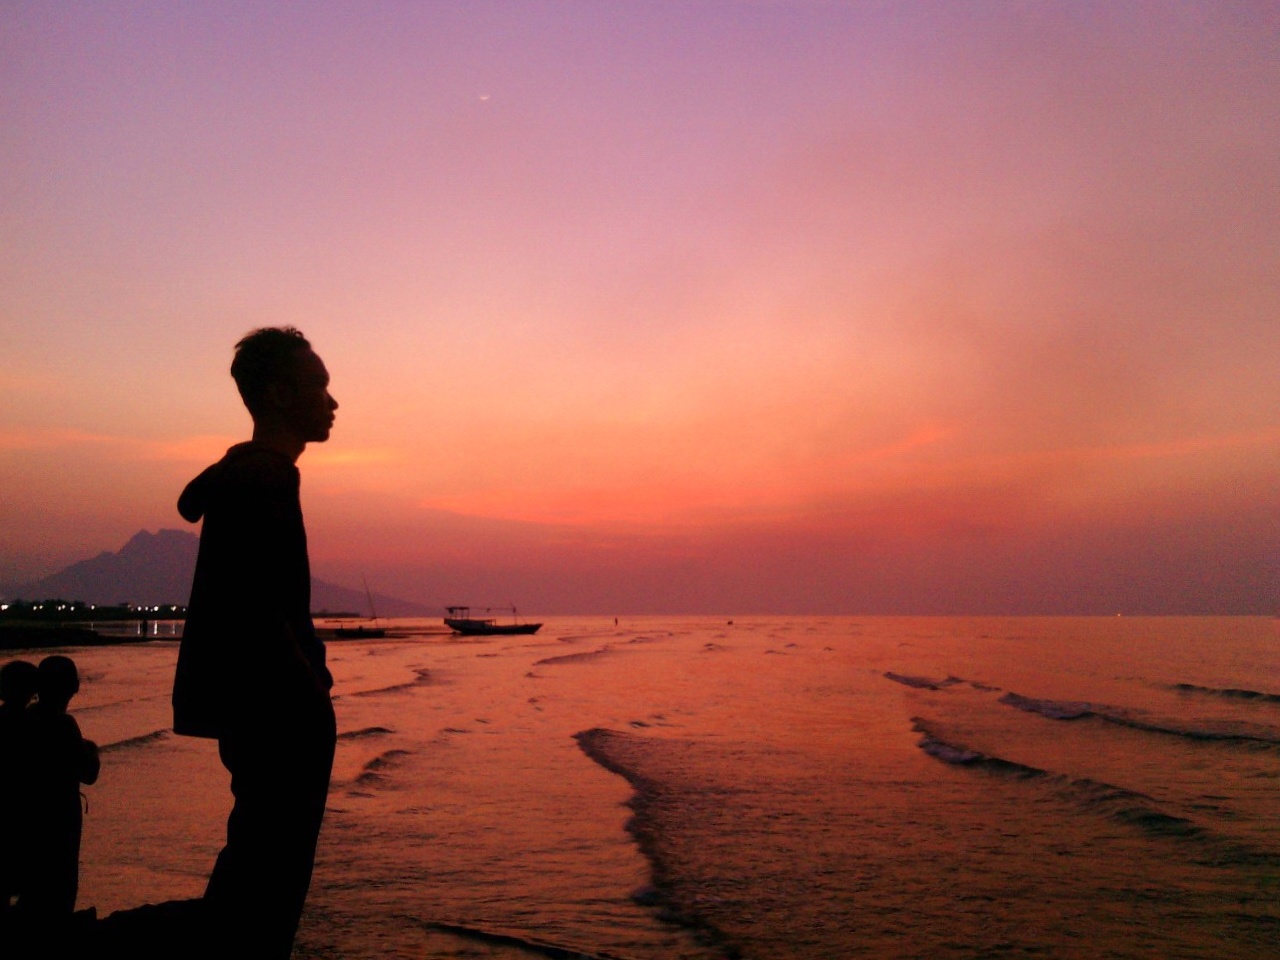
(351, 633)
(488, 627)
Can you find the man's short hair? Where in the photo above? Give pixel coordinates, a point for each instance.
(265, 357)
(57, 677)
(18, 683)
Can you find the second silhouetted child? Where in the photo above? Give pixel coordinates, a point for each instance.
(17, 687)
(59, 759)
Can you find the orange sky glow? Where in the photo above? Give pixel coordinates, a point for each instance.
(712, 307)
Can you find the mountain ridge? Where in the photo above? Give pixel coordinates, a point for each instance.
(156, 569)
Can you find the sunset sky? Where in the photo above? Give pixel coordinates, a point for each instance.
(721, 307)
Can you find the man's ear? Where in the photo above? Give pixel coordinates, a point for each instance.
(276, 396)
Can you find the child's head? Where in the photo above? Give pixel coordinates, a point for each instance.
(58, 681)
(18, 683)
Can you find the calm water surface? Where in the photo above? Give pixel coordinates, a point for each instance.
(767, 788)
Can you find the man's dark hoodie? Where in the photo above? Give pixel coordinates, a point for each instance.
(249, 656)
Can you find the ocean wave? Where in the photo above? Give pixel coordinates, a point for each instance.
(585, 657)
(1053, 709)
(422, 679)
(962, 756)
(653, 720)
(373, 770)
(521, 941)
(140, 741)
(81, 710)
(365, 732)
(610, 749)
(1229, 693)
(599, 744)
(1223, 731)
(921, 683)
(1118, 804)
(1212, 730)
(1127, 805)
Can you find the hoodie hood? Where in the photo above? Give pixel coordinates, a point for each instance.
(242, 462)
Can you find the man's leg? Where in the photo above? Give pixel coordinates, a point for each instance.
(280, 782)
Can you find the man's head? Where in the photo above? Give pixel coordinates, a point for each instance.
(18, 683)
(57, 681)
(284, 384)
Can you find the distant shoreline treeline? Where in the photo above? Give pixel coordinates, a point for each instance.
(68, 623)
(77, 611)
(71, 612)
(61, 623)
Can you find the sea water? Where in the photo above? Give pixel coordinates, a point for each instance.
(796, 787)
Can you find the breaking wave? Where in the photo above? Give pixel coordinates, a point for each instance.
(140, 741)
(365, 732)
(1214, 730)
(375, 770)
(423, 679)
(961, 756)
(921, 683)
(584, 657)
(521, 941)
(1119, 804)
(608, 748)
(1053, 709)
(1229, 693)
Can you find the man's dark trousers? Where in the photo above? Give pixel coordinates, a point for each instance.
(280, 782)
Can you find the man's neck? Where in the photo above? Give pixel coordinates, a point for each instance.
(282, 441)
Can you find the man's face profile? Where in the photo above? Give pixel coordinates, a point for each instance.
(304, 401)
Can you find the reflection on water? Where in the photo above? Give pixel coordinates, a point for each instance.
(155, 629)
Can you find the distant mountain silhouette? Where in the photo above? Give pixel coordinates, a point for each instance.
(156, 568)
(151, 568)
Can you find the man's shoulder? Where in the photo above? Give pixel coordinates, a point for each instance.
(247, 470)
(253, 463)
(247, 473)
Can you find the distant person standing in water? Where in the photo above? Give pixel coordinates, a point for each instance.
(251, 671)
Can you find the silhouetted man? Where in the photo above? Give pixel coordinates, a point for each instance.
(251, 671)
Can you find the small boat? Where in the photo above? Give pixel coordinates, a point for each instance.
(374, 632)
(461, 621)
(352, 633)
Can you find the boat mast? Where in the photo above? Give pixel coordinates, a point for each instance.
(369, 596)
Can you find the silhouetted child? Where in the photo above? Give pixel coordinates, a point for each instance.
(60, 759)
(17, 687)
